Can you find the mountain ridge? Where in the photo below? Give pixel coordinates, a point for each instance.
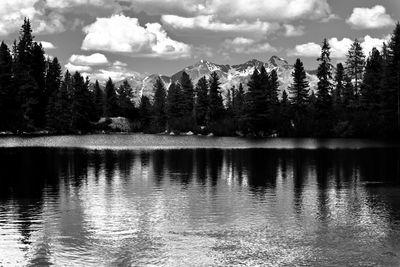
(230, 75)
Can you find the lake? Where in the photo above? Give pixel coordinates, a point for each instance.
(149, 200)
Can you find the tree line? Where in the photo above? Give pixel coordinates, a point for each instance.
(357, 98)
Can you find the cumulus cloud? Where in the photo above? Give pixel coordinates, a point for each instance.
(47, 45)
(310, 49)
(339, 48)
(73, 68)
(124, 34)
(370, 18)
(92, 60)
(12, 13)
(209, 23)
(242, 45)
(230, 10)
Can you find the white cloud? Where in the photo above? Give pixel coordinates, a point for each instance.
(124, 34)
(277, 10)
(13, 12)
(92, 60)
(232, 10)
(306, 50)
(47, 45)
(370, 18)
(291, 31)
(73, 68)
(370, 42)
(209, 23)
(116, 73)
(339, 48)
(242, 45)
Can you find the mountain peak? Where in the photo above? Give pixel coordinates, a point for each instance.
(277, 61)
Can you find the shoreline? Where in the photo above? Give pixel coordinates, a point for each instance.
(188, 134)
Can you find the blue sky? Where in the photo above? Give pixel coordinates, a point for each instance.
(117, 38)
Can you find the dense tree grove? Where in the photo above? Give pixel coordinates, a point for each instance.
(358, 98)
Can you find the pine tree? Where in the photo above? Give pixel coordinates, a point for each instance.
(355, 63)
(64, 100)
(125, 101)
(53, 84)
(230, 99)
(110, 104)
(324, 75)
(201, 106)
(29, 95)
(174, 107)
(339, 81)
(38, 72)
(188, 94)
(8, 100)
(81, 104)
(284, 127)
(349, 98)
(370, 87)
(256, 106)
(394, 76)
(159, 106)
(274, 87)
(323, 112)
(216, 106)
(367, 122)
(300, 86)
(299, 100)
(145, 113)
(99, 100)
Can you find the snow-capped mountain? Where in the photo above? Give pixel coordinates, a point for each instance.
(229, 75)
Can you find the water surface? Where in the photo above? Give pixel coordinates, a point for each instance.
(138, 201)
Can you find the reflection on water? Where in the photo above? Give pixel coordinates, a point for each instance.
(200, 207)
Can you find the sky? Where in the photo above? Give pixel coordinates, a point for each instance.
(117, 38)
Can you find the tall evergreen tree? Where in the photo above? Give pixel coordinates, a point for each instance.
(188, 94)
(274, 87)
(284, 127)
(174, 107)
(29, 94)
(110, 102)
(53, 84)
(64, 104)
(339, 87)
(159, 106)
(81, 104)
(188, 98)
(324, 120)
(370, 87)
(348, 98)
(7, 95)
(125, 100)
(145, 113)
(355, 63)
(393, 102)
(256, 106)
(299, 99)
(216, 106)
(368, 120)
(201, 106)
(300, 86)
(99, 100)
(38, 72)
